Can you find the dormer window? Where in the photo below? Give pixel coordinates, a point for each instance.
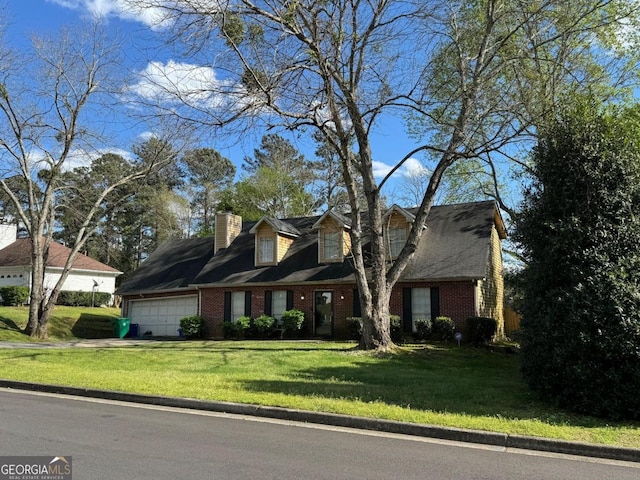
(334, 241)
(397, 239)
(397, 223)
(331, 247)
(272, 240)
(266, 250)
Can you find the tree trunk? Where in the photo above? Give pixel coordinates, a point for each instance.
(37, 288)
(46, 308)
(376, 323)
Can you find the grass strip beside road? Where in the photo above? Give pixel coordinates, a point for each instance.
(431, 384)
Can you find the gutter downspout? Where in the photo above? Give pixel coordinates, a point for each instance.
(476, 297)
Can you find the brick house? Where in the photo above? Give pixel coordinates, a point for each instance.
(273, 265)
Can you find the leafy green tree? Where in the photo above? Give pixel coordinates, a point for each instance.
(80, 188)
(152, 210)
(276, 183)
(278, 154)
(269, 192)
(580, 234)
(209, 173)
(475, 77)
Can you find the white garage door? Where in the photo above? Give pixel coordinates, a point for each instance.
(162, 316)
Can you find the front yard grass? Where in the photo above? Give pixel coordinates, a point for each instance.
(433, 384)
(66, 323)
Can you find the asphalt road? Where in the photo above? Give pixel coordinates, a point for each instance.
(109, 440)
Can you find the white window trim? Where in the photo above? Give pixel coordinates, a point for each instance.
(234, 296)
(418, 315)
(261, 251)
(283, 298)
(391, 232)
(322, 257)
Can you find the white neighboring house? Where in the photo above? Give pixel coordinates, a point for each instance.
(86, 275)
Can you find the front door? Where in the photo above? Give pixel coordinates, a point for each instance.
(323, 316)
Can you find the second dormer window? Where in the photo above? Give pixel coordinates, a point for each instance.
(331, 245)
(266, 250)
(397, 239)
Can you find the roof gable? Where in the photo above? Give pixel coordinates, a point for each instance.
(342, 220)
(410, 217)
(279, 226)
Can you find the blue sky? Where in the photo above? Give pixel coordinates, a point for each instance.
(23, 18)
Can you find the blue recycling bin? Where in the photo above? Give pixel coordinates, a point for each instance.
(133, 329)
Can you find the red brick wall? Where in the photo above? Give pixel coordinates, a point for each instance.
(212, 308)
(456, 301)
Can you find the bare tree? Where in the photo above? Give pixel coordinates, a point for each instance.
(45, 104)
(473, 76)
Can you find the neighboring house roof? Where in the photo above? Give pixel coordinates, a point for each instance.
(455, 246)
(18, 254)
(173, 266)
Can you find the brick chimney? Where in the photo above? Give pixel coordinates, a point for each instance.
(227, 228)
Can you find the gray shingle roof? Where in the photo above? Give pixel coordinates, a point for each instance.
(455, 246)
(280, 226)
(173, 266)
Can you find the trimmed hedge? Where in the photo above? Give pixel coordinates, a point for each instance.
(423, 329)
(442, 329)
(192, 326)
(83, 299)
(481, 329)
(293, 320)
(14, 295)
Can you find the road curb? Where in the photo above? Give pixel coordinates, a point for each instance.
(338, 420)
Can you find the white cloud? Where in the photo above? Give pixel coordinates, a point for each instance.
(150, 16)
(380, 169)
(175, 82)
(82, 158)
(412, 168)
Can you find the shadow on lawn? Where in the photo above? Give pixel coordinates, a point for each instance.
(92, 326)
(413, 384)
(226, 346)
(8, 324)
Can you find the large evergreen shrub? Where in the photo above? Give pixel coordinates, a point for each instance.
(580, 234)
(14, 295)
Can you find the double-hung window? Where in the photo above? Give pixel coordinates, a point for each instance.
(331, 249)
(237, 305)
(266, 250)
(397, 239)
(278, 303)
(420, 305)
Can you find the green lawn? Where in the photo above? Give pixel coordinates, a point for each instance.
(66, 323)
(442, 385)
